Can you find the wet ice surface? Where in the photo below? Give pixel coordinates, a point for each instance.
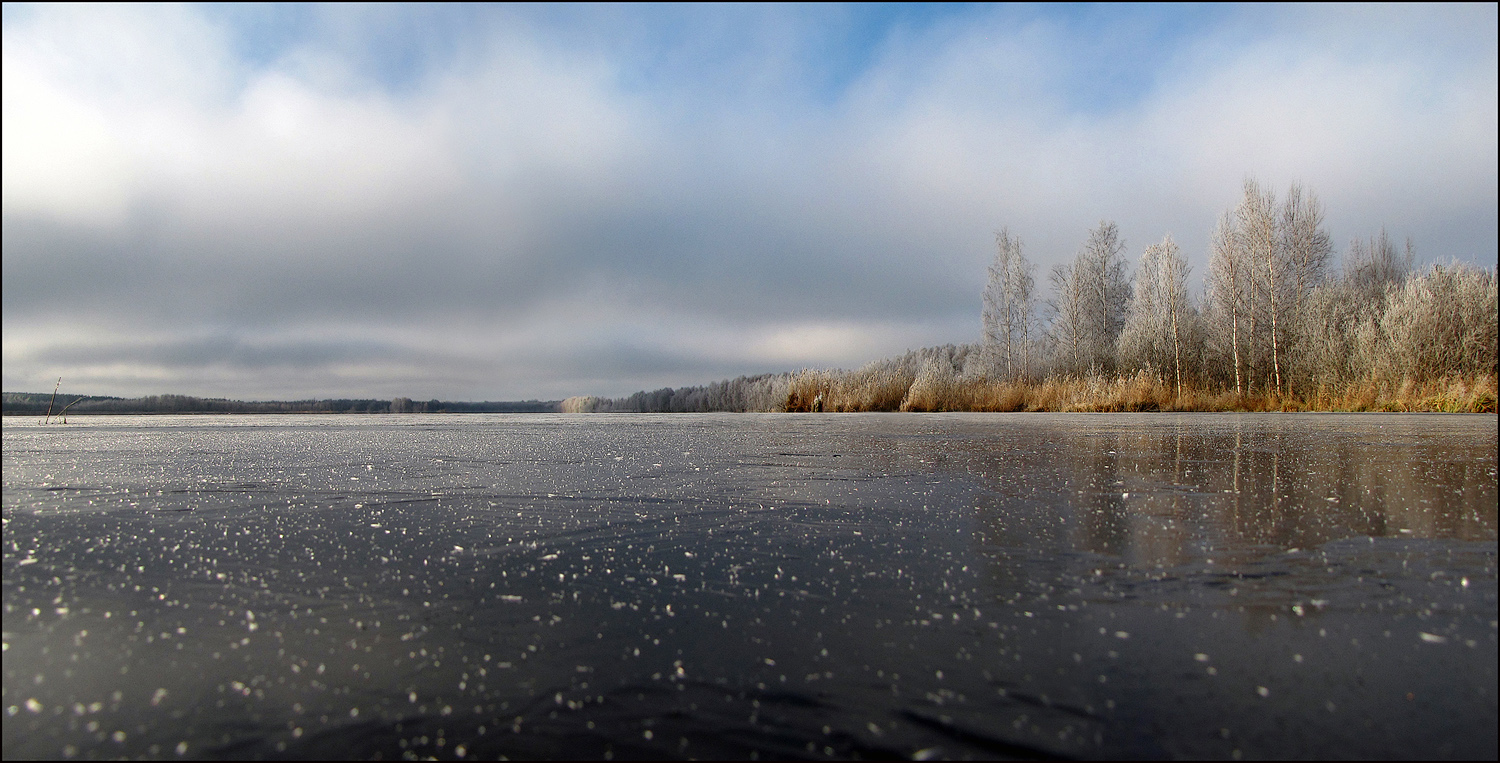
(928, 586)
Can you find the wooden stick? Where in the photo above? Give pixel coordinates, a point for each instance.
(64, 412)
(53, 400)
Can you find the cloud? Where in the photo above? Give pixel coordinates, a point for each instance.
(506, 203)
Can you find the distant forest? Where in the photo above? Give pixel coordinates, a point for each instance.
(1277, 327)
(34, 404)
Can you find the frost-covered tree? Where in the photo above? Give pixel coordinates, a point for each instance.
(1067, 330)
(1266, 260)
(1328, 325)
(1155, 322)
(1274, 320)
(1372, 266)
(1227, 292)
(1306, 245)
(1302, 263)
(1260, 250)
(1009, 306)
(1088, 302)
(1440, 323)
(1101, 268)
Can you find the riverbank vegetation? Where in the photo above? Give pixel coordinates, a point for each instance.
(1277, 327)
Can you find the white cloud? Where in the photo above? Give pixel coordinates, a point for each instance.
(530, 215)
(61, 156)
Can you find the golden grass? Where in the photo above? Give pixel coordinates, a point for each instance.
(930, 391)
(1453, 394)
(809, 391)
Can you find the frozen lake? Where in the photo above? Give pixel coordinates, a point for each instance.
(742, 585)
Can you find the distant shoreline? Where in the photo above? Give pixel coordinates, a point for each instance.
(38, 404)
(900, 388)
(926, 382)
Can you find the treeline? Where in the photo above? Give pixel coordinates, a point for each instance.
(765, 392)
(38, 404)
(879, 386)
(1277, 327)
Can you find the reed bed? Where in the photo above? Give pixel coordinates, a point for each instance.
(933, 391)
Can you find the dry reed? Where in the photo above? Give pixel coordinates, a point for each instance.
(934, 391)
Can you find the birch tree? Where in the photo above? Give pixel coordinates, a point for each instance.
(1009, 304)
(1068, 326)
(1088, 302)
(1100, 271)
(1305, 251)
(1174, 291)
(1255, 220)
(1227, 290)
(1265, 262)
(1155, 321)
(1306, 245)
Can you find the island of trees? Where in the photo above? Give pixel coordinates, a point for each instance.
(1277, 327)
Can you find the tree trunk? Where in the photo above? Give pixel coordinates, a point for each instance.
(1177, 349)
(1234, 324)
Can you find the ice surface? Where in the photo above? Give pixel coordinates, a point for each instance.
(929, 586)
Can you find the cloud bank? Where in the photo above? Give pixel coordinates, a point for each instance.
(515, 203)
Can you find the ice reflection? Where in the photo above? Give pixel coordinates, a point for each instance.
(1165, 493)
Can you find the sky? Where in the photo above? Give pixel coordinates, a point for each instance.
(502, 203)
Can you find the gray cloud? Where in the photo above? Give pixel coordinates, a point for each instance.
(537, 206)
(229, 352)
